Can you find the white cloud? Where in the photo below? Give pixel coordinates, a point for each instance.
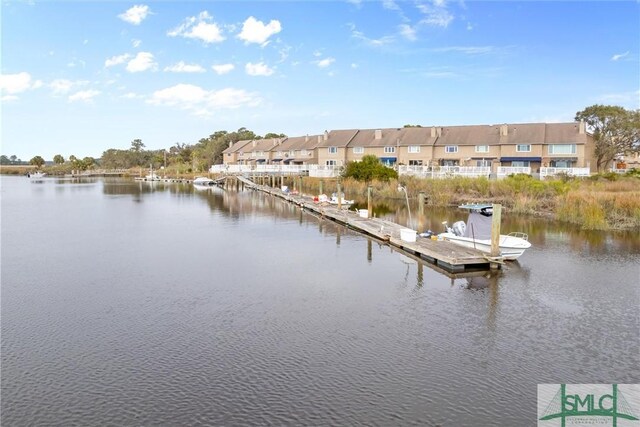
(8, 98)
(17, 83)
(390, 4)
(63, 86)
(259, 69)
(135, 15)
(629, 99)
(182, 67)
(84, 95)
(254, 31)
(203, 102)
(142, 62)
(408, 32)
(85, 41)
(354, 65)
(77, 62)
(324, 63)
(201, 28)
(223, 68)
(115, 60)
(436, 14)
(619, 56)
(131, 95)
(385, 40)
(135, 42)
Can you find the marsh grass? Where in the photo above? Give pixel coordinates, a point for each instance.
(592, 204)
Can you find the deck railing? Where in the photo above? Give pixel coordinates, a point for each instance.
(324, 171)
(545, 172)
(504, 171)
(444, 171)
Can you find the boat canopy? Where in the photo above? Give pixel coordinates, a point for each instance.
(475, 206)
(478, 226)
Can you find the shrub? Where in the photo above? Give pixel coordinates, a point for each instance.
(368, 169)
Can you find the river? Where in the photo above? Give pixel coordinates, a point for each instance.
(135, 304)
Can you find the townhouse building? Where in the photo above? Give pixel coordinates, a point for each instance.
(501, 149)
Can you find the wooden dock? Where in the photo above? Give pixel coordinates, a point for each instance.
(446, 255)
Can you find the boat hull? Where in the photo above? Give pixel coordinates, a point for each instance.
(511, 248)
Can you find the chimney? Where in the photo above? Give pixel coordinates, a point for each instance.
(504, 129)
(306, 138)
(326, 135)
(378, 134)
(275, 141)
(439, 132)
(433, 131)
(581, 129)
(230, 144)
(254, 142)
(319, 139)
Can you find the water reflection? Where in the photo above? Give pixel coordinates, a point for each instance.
(236, 202)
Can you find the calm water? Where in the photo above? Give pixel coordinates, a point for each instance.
(128, 303)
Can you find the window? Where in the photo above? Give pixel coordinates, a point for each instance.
(449, 163)
(561, 164)
(331, 162)
(523, 148)
(414, 149)
(358, 150)
(389, 150)
(415, 162)
(292, 153)
(483, 162)
(332, 150)
(521, 163)
(451, 149)
(305, 153)
(562, 149)
(482, 148)
(280, 153)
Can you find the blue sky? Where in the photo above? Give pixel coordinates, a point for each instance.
(82, 77)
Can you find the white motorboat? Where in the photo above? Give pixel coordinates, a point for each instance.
(203, 181)
(476, 234)
(36, 175)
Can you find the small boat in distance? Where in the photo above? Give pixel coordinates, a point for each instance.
(476, 234)
(36, 175)
(203, 181)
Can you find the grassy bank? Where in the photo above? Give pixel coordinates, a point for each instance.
(603, 202)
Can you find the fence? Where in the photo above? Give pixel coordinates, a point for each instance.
(545, 172)
(504, 171)
(445, 171)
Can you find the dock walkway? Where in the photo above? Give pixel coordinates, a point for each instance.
(444, 254)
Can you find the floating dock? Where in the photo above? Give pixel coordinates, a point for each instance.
(446, 255)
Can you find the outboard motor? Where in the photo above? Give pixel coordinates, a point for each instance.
(459, 227)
